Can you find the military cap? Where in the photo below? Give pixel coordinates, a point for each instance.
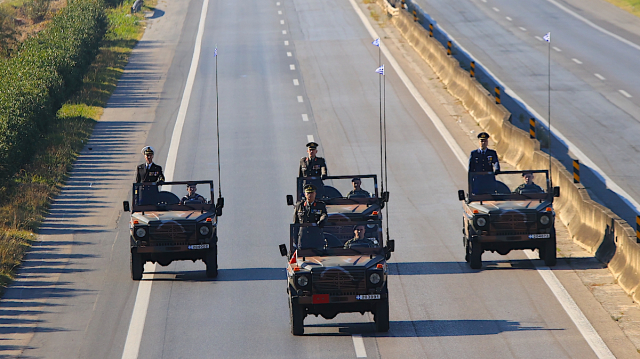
(312, 145)
(309, 188)
(147, 150)
(356, 179)
(483, 136)
(191, 184)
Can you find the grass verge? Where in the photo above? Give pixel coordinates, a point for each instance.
(24, 201)
(632, 6)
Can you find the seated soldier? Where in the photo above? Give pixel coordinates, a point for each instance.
(357, 192)
(359, 239)
(528, 186)
(192, 195)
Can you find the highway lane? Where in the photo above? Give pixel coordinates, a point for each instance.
(594, 78)
(439, 308)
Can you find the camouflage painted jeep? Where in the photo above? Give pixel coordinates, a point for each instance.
(506, 211)
(329, 274)
(164, 230)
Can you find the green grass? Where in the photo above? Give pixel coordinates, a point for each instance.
(24, 201)
(632, 6)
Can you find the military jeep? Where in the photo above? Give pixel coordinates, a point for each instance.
(342, 204)
(501, 214)
(164, 230)
(325, 277)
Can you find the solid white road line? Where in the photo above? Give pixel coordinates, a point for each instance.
(358, 343)
(139, 314)
(300, 99)
(310, 138)
(577, 61)
(305, 117)
(292, 67)
(625, 93)
(599, 76)
(296, 82)
(582, 323)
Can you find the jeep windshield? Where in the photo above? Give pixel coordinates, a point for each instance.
(167, 196)
(355, 238)
(352, 189)
(509, 185)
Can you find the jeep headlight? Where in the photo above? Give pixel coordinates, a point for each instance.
(141, 232)
(481, 222)
(204, 230)
(374, 278)
(544, 220)
(303, 280)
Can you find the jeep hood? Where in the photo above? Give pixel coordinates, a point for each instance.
(166, 216)
(339, 261)
(503, 206)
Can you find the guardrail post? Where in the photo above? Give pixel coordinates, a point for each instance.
(497, 91)
(472, 71)
(637, 229)
(430, 30)
(449, 48)
(532, 128)
(403, 5)
(576, 171)
(415, 16)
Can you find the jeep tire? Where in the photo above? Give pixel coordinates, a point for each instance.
(550, 258)
(475, 255)
(296, 316)
(381, 316)
(137, 265)
(212, 261)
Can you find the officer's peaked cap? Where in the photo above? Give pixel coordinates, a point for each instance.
(312, 145)
(483, 136)
(356, 179)
(309, 188)
(147, 150)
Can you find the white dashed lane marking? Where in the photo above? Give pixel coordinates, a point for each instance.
(496, 9)
(577, 61)
(599, 76)
(286, 43)
(281, 22)
(539, 38)
(300, 99)
(310, 138)
(522, 28)
(556, 48)
(284, 32)
(625, 93)
(277, 4)
(509, 19)
(292, 67)
(296, 82)
(289, 54)
(358, 343)
(305, 118)
(279, 12)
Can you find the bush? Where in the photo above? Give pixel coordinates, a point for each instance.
(7, 33)
(36, 9)
(47, 69)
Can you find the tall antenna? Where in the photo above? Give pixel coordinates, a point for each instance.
(376, 42)
(547, 38)
(215, 54)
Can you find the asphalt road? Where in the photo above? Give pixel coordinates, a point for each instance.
(277, 62)
(594, 78)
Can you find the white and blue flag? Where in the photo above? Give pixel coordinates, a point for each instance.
(376, 42)
(380, 70)
(215, 51)
(547, 37)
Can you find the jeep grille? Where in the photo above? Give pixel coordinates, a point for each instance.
(172, 232)
(512, 223)
(338, 280)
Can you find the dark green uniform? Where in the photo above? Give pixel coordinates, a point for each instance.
(360, 193)
(528, 188)
(316, 167)
(195, 197)
(364, 242)
(314, 213)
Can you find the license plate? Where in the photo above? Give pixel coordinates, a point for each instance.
(368, 296)
(536, 236)
(198, 246)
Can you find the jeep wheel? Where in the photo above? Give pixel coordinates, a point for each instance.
(467, 251)
(296, 316)
(475, 256)
(137, 265)
(212, 262)
(541, 251)
(381, 316)
(550, 258)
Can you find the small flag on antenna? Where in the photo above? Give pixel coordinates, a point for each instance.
(380, 70)
(376, 42)
(215, 52)
(547, 37)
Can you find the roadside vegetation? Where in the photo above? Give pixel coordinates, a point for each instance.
(632, 6)
(48, 107)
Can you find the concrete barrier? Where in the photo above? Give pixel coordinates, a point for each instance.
(590, 224)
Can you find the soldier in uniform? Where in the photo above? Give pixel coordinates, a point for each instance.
(357, 192)
(312, 166)
(359, 239)
(149, 171)
(309, 210)
(192, 195)
(483, 160)
(528, 186)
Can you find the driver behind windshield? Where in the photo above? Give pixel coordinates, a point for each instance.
(192, 195)
(528, 186)
(359, 239)
(357, 192)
